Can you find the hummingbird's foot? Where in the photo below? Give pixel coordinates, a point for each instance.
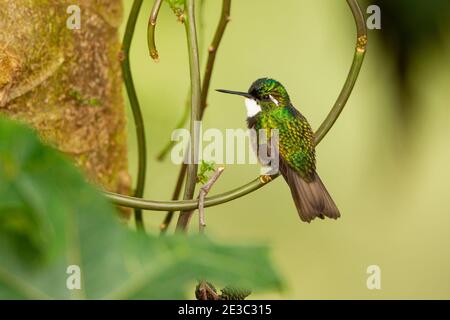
(265, 179)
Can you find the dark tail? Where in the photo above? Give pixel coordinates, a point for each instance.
(311, 197)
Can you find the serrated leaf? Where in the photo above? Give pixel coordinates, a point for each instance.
(205, 168)
(50, 218)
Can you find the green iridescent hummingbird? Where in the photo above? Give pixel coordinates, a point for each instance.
(269, 107)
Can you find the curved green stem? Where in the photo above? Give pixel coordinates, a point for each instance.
(185, 205)
(358, 16)
(136, 109)
(258, 183)
(358, 59)
(194, 67)
(151, 30)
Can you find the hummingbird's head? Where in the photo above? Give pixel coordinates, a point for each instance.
(270, 91)
(263, 94)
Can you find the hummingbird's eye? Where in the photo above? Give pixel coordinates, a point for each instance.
(265, 97)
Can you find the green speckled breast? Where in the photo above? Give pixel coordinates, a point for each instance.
(296, 138)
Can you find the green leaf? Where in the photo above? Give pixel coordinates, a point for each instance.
(205, 168)
(50, 219)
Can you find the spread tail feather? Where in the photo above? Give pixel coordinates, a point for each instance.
(310, 197)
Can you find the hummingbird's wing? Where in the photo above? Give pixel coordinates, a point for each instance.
(296, 142)
(297, 163)
(297, 166)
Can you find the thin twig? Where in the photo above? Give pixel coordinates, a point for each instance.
(202, 195)
(212, 52)
(136, 110)
(151, 30)
(194, 67)
(258, 183)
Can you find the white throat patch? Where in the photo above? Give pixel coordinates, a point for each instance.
(253, 107)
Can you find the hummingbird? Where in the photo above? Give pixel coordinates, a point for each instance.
(269, 107)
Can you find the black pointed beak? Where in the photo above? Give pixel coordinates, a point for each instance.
(243, 94)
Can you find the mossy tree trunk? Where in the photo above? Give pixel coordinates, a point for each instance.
(67, 83)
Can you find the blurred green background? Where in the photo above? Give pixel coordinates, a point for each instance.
(391, 184)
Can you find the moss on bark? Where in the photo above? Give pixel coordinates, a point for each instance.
(67, 83)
